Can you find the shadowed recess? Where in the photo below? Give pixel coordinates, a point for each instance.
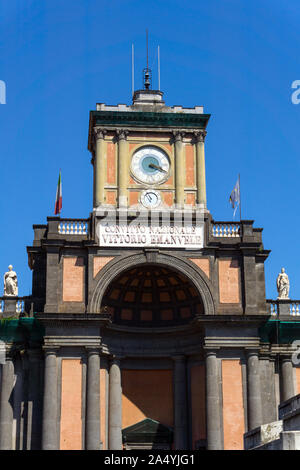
(152, 295)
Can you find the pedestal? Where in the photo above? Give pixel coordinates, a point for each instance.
(10, 308)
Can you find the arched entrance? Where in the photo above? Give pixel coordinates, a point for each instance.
(188, 270)
(153, 336)
(152, 295)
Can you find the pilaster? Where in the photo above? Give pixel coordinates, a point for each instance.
(123, 167)
(179, 168)
(100, 164)
(199, 138)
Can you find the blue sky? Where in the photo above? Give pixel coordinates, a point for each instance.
(237, 58)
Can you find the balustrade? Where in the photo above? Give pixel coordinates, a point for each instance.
(226, 229)
(292, 307)
(73, 227)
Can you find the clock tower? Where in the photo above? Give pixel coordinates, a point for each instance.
(148, 320)
(148, 155)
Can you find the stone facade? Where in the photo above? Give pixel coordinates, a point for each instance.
(137, 345)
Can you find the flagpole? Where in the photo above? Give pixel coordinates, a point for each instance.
(240, 198)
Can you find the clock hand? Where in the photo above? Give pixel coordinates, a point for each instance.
(151, 165)
(149, 197)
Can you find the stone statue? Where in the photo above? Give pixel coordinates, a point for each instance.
(10, 282)
(283, 285)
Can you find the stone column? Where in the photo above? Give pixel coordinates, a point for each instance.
(287, 378)
(213, 402)
(123, 168)
(115, 406)
(179, 168)
(93, 401)
(6, 404)
(200, 164)
(50, 439)
(180, 403)
(100, 167)
(254, 391)
(268, 396)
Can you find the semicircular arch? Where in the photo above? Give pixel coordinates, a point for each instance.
(115, 268)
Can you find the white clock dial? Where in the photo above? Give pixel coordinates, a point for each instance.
(150, 165)
(150, 199)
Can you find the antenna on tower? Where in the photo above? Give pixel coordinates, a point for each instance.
(158, 65)
(147, 73)
(147, 46)
(132, 68)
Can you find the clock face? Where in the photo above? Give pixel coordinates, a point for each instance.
(150, 198)
(150, 165)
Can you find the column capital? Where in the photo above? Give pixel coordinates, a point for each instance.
(51, 350)
(179, 358)
(121, 134)
(178, 135)
(115, 359)
(199, 136)
(285, 357)
(210, 352)
(92, 350)
(99, 133)
(251, 352)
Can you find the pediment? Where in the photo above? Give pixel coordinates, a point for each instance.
(147, 430)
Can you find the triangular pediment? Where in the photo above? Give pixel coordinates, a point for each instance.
(147, 430)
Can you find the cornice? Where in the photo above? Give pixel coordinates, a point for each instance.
(72, 319)
(148, 120)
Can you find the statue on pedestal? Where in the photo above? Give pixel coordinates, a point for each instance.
(283, 285)
(10, 282)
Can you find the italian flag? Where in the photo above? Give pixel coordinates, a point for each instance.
(58, 200)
